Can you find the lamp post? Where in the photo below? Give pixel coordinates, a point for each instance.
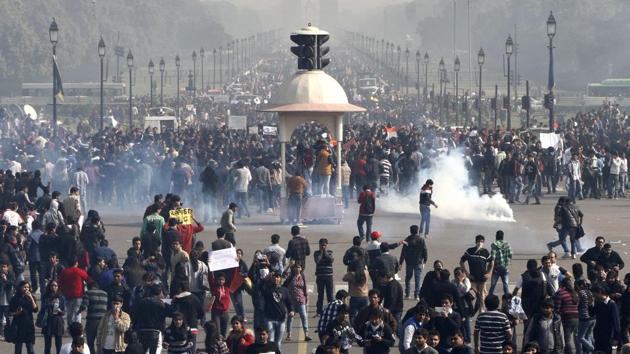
(418, 75)
(101, 55)
(53, 33)
(202, 53)
(235, 67)
(481, 58)
(509, 48)
(441, 99)
(228, 50)
(457, 68)
(426, 76)
(398, 71)
(162, 67)
(177, 65)
(551, 32)
(151, 70)
(214, 68)
(220, 66)
(407, 71)
(194, 83)
(130, 66)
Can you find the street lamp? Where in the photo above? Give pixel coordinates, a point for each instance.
(441, 68)
(407, 71)
(130, 66)
(202, 53)
(481, 58)
(236, 57)
(101, 55)
(214, 67)
(228, 50)
(509, 49)
(426, 76)
(151, 70)
(221, 66)
(418, 57)
(457, 67)
(551, 32)
(162, 67)
(194, 58)
(177, 65)
(53, 33)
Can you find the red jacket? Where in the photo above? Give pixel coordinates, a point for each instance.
(362, 197)
(187, 232)
(71, 282)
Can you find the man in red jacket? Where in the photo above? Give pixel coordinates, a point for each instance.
(367, 206)
(187, 233)
(71, 282)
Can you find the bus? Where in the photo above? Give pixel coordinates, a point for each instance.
(610, 88)
(80, 93)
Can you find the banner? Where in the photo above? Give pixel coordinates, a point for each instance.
(270, 130)
(550, 139)
(183, 215)
(222, 259)
(237, 122)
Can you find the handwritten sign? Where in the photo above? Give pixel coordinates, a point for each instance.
(183, 215)
(222, 259)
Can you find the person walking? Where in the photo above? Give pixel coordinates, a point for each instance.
(71, 282)
(492, 328)
(112, 328)
(426, 201)
(228, 223)
(367, 202)
(501, 253)
(295, 187)
(21, 307)
(298, 247)
(480, 266)
(296, 283)
(241, 179)
(278, 306)
(414, 252)
(50, 318)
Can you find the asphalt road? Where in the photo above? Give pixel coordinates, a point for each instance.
(449, 239)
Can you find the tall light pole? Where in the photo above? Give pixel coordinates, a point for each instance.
(151, 70)
(101, 55)
(162, 67)
(398, 71)
(194, 58)
(214, 68)
(236, 56)
(228, 50)
(509, 48)
(418, 56)
(202, 54)
(551, 32)
(426, 76)
(441, 99)
(53, 33)
(481, 58)
(220, 66)
(457, 66)
(407, 71)
(130, 66)
(177, 65)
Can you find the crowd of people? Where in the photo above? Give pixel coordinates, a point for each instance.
(164, 291)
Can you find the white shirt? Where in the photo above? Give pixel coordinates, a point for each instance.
(12, 217)
(615, 165)
(623, 167)
(67, 348)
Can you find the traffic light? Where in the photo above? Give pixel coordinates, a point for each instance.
(525, 103)
(321, 51)
(493, 103)
(548, 103)
(305, 51)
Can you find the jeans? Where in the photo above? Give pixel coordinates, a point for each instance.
(150, 339)
(324, 183)
(29, 348)
(562, 241)
(356, 304)
(90, 332)
(425, 218)
(259, 317)
(221, 320)
(503, 273)
(48, 343)
(570, 327)
(294, 212)
(518, 187)
(72, 306)
(301, 310)
(264, 198)
(575, 189)
(111, 351)
(346, 193)
(324, 286)
(367, 219)
(237, 301)
(613, 181)
(35, 271)
(241, 200)
(276, 331)
(585, 336)
(508, 189)
(416, 272)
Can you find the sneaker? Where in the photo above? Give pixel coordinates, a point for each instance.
(307, 338)
(566, 255)
(573, 256)
(549, 247)
(288, 339)
(416, 298)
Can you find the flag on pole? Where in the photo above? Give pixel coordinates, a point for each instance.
(57, 86)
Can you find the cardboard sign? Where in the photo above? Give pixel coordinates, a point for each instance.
(222, 259)
(183, 215)
(253, 130)
(270, 130)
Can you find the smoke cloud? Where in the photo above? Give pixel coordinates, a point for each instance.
(455, 198)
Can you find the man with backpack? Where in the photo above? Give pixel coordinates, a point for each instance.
(367, 202)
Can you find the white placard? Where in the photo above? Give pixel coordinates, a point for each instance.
(270, 130)
(222, 259)
(550, 139)
(237, 122)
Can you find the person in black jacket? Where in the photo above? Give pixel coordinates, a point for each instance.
(356, 253)
(535, 289)
(392, 293)
(609, 259)
(590, 257)
(446, 321)
(191, 309)
(541, 324)
(262, 344)
(386, 263)
(323, 273)
(607, 324)
(149, 318)
(277, 306)
(414, 252)
(377, 335)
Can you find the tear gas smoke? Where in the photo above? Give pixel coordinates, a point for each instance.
(455, 198)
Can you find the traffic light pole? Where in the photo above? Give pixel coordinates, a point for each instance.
(496, 105)
(529, 103)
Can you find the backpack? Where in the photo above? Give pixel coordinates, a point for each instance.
(368, 204)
